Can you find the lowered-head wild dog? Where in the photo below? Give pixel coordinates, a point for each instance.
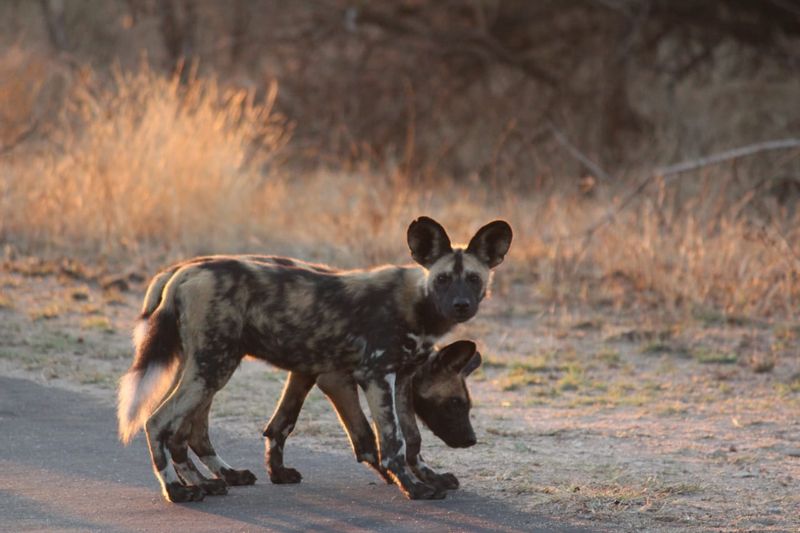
(440, 397)
(378, 323)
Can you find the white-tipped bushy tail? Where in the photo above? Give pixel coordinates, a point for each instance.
(139, 332)
(140, 393)
(148, 381)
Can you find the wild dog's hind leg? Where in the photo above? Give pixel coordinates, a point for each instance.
(167, 428)
(191, 475)
(341, 389)
(281, 425)
(187, 470)
(200, 441)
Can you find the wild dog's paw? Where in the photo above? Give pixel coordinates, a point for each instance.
(214, 487)
(284, 475)
(384, 475)
(178, 493)
(373, 463)
(382, 472)
(423, 491)
(238, 477)
(413, 489)
(445, 481)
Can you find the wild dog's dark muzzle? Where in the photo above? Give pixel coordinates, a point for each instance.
(461, 306)
(463, 310)
(461, 303)
(458, 438)
(462, 439)
(469, 441)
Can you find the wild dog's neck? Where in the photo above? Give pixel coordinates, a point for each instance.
(426, 317)
(418, 307)
(429, 320)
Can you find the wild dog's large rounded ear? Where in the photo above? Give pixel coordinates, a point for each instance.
(457, 357)
(428, 241)
(491, 243)
(472, 364)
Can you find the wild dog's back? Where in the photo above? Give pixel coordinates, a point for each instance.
(295, 317)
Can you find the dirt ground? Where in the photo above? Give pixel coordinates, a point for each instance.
(597, 417)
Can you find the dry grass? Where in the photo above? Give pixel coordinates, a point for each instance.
(144, 161)
(142, 166)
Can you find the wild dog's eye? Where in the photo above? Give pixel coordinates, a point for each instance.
(454, 402)
(442, 279)
(473, 278)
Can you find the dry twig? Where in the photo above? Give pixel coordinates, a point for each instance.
(22, 137)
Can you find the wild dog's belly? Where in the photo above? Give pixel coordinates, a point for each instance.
(305, 350)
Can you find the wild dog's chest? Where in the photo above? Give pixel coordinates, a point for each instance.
(418, 348)
(407, 351)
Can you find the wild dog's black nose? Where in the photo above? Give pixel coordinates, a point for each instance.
(461, 305)
(470, 441)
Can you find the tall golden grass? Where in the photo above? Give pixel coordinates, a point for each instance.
(143, 166)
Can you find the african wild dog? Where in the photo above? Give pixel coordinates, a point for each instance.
(438, 387)
(379, 323)
(440, 398)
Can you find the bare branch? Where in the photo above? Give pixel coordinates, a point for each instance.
(736, 153)
(577, 154)
(670, 173)
(24, 135)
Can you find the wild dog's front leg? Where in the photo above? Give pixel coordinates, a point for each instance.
(381, 395)
(281, 425)
(341, 390)
(408, 423)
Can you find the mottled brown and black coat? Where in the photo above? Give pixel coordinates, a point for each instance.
(440, 397)
(377, 325)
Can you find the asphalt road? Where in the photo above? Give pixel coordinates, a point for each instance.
(62, 469)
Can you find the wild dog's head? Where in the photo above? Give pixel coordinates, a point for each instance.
(441, 397)
(457, 278)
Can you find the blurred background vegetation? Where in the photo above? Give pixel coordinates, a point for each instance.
(157, 129)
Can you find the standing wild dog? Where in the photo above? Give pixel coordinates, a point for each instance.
(378, 323)
(440, 397)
